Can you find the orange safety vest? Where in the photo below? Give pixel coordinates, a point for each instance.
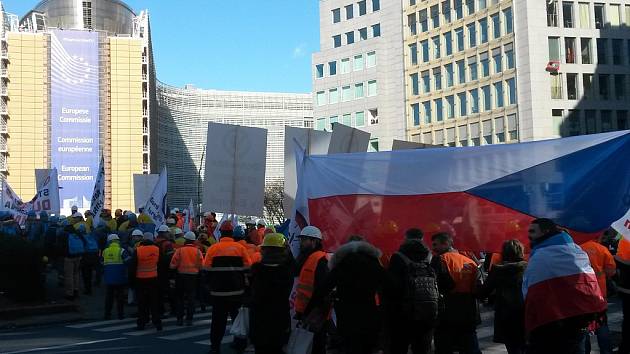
(306, 281)
(148, 257)
(623, 250)
(463, 270)
(602, 262)
(187, 260)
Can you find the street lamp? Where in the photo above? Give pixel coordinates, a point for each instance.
(203, 154)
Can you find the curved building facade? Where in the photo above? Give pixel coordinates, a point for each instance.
(112, 16)
(182, 125)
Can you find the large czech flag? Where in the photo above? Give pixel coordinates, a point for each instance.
(481, 195)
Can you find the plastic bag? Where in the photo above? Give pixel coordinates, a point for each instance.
(240, 327)
(300, 342)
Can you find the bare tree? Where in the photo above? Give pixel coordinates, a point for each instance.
(274, 195)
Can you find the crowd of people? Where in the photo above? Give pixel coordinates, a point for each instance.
(548, 295)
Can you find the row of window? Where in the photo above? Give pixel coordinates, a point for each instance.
(589, 86)
(589, 121)
(362, 35)
(349, 10)
(587, 15)
(490, 131)
(359, 62)
(608, 51)
(356, 119)
(443, 12)
(347, 93)
(483, 99)
(466, 70)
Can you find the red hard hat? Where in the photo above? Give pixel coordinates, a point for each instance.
(227, 226)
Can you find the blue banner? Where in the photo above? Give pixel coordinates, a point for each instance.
(75, 114)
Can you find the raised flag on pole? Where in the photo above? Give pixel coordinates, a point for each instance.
(98, 195)
(622, 225)
(46, 199)
(156, 207)
(188, 216)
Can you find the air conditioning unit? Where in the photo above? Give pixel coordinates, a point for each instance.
(553, 67)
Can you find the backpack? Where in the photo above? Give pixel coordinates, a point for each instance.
(91, 246)
(75, 245)
(421, 296)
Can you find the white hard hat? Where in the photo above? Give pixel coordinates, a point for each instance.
(207, 213)
(77, 215)
(170, 221)
(148, 236)
(137, 232)
(112, 237)
(311, 231)
(190, 236)
(176, 210)
(261, 222)
(177, 231)
(162, 228)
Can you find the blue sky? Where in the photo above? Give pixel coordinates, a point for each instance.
(251, 45)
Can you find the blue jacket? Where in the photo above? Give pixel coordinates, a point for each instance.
(115, 260)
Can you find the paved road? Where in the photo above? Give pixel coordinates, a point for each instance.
(121, 336)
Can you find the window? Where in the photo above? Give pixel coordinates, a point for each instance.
(567, 14)
(485, 64)
(472, 68)
(496, 59)
(482, 4)
(472, 35)
(585, 49)
(349, 12)
(574, 126)
(620, 87)
(337, 41)
(470, 7)
(336, 15)
(509, 55)
(498, 94)
(349, 37)
(450, 107)
(424, 21)
(474, 101)
(358, 62)
(463, 104)
(333, 120)
(450, 137)
(372, 88)
(346, 119)
(427, 111)
(363, 33)
(435, 16)
(474, 134)
(552, 13)
(346, 94)
(446, 11)
(87, 14)
(627, 15)
(436, 47)
(415, 89)
(359, 119)
(426, 82)
(371, 60)
(509, 23)
(496, 26)
(512, 132)
(463, 135)
(487, 100)
(606, 119)
(358, 90)
(459, 9)
(415, 109)
(554, 48)
(439, 109)
(614, 15)
(602, 51)
(556, 117)
(483, 30)
(622, 121)
(569, 50)
(321, 124)
(345, 65)
(319, 71)
(572, 86)
(412, 24)
(604, 84)
(373, 116)
(362, 7)
(599, 16)
(448, 43)
(587, 85)
(585, 15)
(437, 79)
(616, 51)
(376, 5)
(590, 116)
(376, 30)
(556, 86)
(499, 129)
(461, 71)
(321, 98)
(459, 34)
(487, 132)
(511, 84)
(413, 54)
(450, 75)
(333, 95)
(332, 68)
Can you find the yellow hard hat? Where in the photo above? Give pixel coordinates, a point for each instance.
(273, 240)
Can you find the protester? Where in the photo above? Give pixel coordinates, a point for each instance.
(187, 260)
(225, 262)
(145, 262)
(271, 283)
(622, 260)
(178, 234)
(358, 277)
(505, 281)
(411, 312)
(90, 258)
(166, 292)
(562, 296)
(115, 260)
(143, 218)
(72, 247)
(106, 218)
(457, 277)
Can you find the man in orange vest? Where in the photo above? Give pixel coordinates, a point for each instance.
(622, 259)
(146, 259)
(310, 304)
(457, 277)
(187, 260)
(226, 263)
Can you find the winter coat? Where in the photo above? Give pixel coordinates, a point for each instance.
(357, 275)
(271, 284)
(115, 273)
(506, 280)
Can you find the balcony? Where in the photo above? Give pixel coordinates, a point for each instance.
(145, 166)
(3, 148)
(4, 53)
(4, 72)
(145, 95)
(4, 91)
(3, 129)
(145, 130)
(144, 148)
(4, 109)
(145, 60)
(145, 113)
(144, 77)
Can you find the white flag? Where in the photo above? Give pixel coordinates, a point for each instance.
(46, 199)
(189, 214)
(98, 195)
(623, 225)
(156, 205)
(224, 218)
